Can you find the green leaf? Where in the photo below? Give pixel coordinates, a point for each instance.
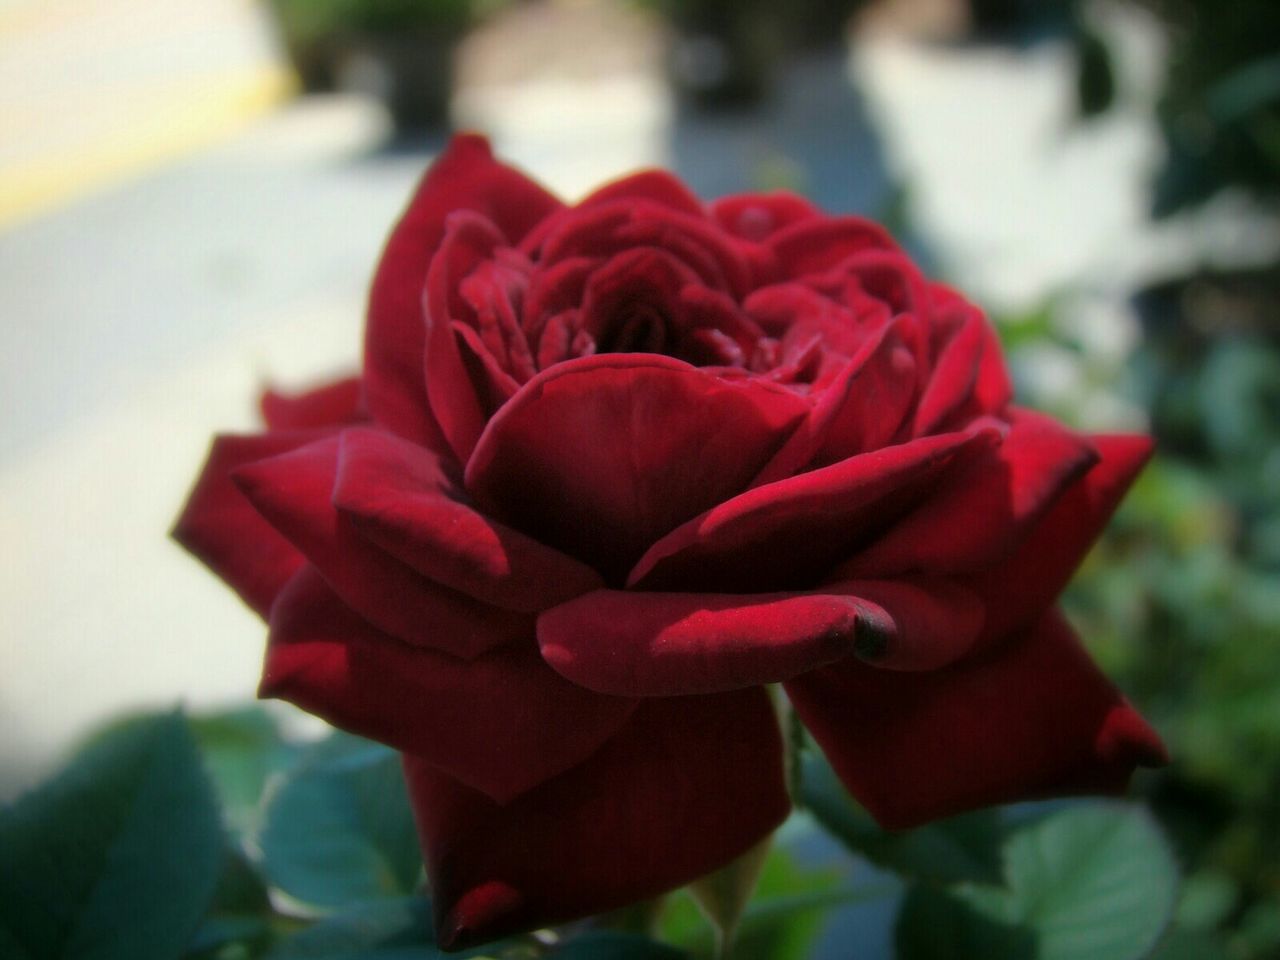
(1096, 882)
(961, 848)
(937, 924)
(241, 910)
(242, 748)
(608, 945)
(118, 855)
(339, 830)
(391, 929)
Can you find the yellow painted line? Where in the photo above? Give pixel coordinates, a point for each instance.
(183, 118)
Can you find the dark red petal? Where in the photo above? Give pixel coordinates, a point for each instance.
(924, 622)
(294, 492)
(655, 186)
(986, 508)
(332, 405)
(688, 785)
(1033, 719)
(601, 456)
(464, 177)
(816, 245)
(758, 216)
(670, 644)
(398, 496)
(859, 410)
(492, 385)
(221, 529)
(969, 378)
(1020, 588)
(501, 723)
(469, 241)
(789, 533)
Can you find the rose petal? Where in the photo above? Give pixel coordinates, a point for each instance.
(501, 723)
(1035, 719)
(816, 245)
(335, 404)
(1020, 588)
(860, 410)
(469, 240)
(758, 216)
(467, 177)
(688, 785)
(969, 377)
(655, 186)
(987, 508)
(601, 456)
(294, 492)
(924, 623)
(671, 644)
(223, 530)
(399, 498)
(789, 533)
(492, 385)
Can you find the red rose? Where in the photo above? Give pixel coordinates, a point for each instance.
(610, 469)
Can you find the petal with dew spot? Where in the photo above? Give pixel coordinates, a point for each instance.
(634, 643)
(692, 783)
(501, 723)
(1033, 719)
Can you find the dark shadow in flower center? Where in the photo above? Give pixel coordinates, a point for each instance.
(638, 326)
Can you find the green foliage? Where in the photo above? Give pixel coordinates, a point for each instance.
(118, 856)
(1087, 883)
(339, 830)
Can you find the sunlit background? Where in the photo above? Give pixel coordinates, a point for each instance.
(193, 194)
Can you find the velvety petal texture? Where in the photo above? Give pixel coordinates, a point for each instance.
(610, 469)
(687, 785)
(1033, 719)
(533, 724)
(223, 530)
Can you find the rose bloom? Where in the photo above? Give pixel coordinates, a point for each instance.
(611, 468)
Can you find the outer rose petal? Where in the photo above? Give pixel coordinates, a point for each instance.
(603, 455)
(332, 405)
(469, 240)
(223, 530)
(294, 493)
(758, 216)
(1034, 719)
(1019, 589)
(969, 377)
(464, 177)
(986, 508)
(789, 533)
(688, 785)
(859, 410)
(643, 644)
(815, 246)
(501, 723)
(397, 495)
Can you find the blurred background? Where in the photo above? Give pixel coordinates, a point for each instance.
(193, 194)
